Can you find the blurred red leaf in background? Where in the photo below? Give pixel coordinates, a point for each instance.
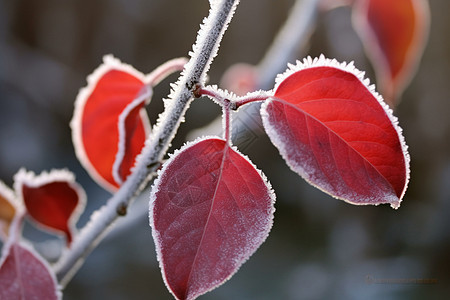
(7, 209)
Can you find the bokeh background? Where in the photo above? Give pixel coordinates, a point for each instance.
(319, 247)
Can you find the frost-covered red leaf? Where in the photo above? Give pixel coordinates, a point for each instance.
(7, 209)
(210, 210)
(394, 35)
(25, 275)
(110, 125)
(54, 200)
(335, 131)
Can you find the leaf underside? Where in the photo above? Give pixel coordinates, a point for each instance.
(210, 210)
(110, 124)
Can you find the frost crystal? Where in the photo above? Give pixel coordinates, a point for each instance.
(283, 138)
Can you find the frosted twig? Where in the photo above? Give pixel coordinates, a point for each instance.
(164, 70)
(290, 39)
(221, 96)
(227, 121)
(257, 96)
(204, 50)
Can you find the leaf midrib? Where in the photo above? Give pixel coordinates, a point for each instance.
(337, 135)
(225, 151)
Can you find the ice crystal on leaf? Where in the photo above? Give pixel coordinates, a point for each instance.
(210, 209)
(334, 130)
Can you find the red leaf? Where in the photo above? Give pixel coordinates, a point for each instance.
(53, 199)
(110, 125)
(240, 78)
(394, 35)
(336, 132)
(25, 275)
(210, 210)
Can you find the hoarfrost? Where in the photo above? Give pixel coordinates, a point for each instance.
(237, 247)
(321, 61)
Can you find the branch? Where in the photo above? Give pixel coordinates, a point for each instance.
(204, 50)
(289, 41)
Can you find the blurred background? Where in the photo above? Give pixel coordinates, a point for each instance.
(318, 247)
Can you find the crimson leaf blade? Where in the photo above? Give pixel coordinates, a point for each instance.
(335, 131)
(53, 200)
(210, 210)
(25, 275)
(8, 209)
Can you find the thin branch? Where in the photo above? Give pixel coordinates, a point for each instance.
(291, 38)
(204, 50)
(289, 41)
(214, 93)
(258, 96)
(164, 70)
